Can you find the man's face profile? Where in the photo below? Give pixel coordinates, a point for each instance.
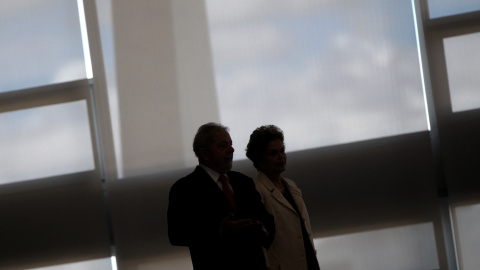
(219, 154)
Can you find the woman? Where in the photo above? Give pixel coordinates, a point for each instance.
(292, 247)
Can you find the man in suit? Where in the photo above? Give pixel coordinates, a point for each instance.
(216, 212)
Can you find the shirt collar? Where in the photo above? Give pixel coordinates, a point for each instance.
(213, 174)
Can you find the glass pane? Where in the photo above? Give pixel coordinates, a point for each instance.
(466, 220)
(41, 43)
(100, 264)
(442, 8)
(325, 73)
(400, 248)
(463, 67)
(45, 141)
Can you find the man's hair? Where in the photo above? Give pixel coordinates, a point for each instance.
(204, 136)
(259, 140)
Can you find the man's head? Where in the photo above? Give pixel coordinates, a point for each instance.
(213, 147)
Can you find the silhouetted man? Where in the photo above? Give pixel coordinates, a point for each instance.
(216, 212)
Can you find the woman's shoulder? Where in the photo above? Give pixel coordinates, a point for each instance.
(290, 182)
(262, 183)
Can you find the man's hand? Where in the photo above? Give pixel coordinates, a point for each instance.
(229, 225)
(262, 232)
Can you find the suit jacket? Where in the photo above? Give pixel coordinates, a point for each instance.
(196, 207)
(287, 250)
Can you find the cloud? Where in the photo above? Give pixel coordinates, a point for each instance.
(225, 14)
(344, 81)
(37, 41)
(250, 43)
(12, 7)
(45, 141)
(72, 70)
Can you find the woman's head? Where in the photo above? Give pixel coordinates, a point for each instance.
(266, 148)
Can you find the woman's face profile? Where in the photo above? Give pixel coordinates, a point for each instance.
(274, 159)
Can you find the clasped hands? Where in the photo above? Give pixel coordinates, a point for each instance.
(229, 225)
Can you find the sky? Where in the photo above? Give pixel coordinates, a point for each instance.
(41, 46)
(41, 43)
(326, 72)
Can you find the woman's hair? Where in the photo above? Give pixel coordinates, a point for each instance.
(205, 134)
(259, 140)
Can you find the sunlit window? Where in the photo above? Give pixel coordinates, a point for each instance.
(466, 219)
(100, 264)
(41, 44)
(325, 72)
(463, 67)
(45, 141)
(399, 248)
(442, 8)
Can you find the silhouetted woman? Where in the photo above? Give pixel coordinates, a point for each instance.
(292, 247)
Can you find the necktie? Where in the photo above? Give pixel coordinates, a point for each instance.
(228, 192)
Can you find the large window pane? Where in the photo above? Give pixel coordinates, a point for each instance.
(442, 8)
(466, 220)
(463, 67)
(45, 141)
(325, 72)
(41, 43)
(400, 248)
(99, 264)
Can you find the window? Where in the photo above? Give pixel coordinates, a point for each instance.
(463, 64)
(326, 73)
(41, 44)
(467, 234)
(99, 264)
(442, 8)
(45, 141)
(399, 248)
